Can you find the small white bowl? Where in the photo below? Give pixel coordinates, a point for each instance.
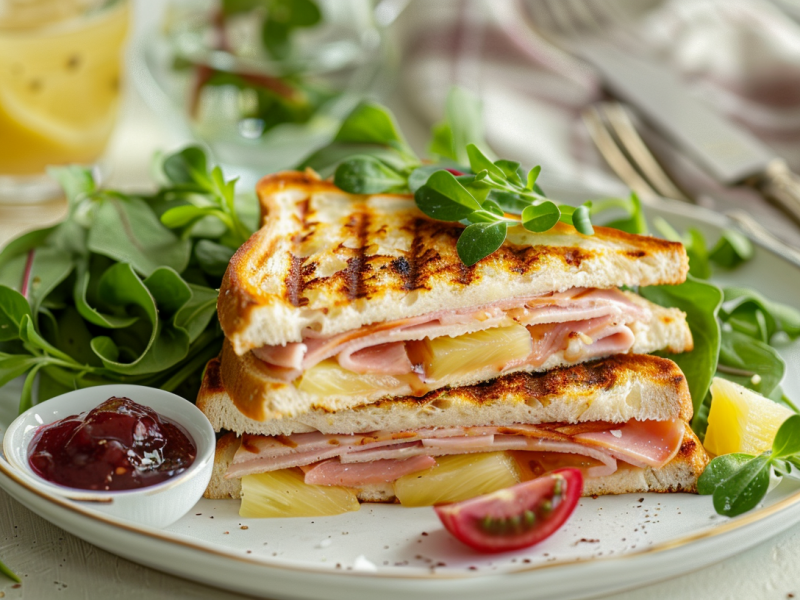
(157, 505)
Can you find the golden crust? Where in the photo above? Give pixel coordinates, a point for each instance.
(211, 385)
(321, 250)
(693, 454)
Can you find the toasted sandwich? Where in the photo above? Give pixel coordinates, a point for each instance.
(360, 351)
(343, 300)
(622, 420)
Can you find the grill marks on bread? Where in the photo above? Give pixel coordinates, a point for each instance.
(579, 381)
(357, 266)
(398, 250)
(339, 261)
(380, 251)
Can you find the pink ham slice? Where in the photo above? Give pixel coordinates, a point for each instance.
(495, 443)
(289, 356)
(581, 340)
(379, 348)
(646, 443)
(334, 472)
(388, 359)
(640, 443)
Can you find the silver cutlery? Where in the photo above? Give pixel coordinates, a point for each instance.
(618, 141)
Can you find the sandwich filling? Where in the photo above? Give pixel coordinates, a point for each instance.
(357, 460)
(584, 323)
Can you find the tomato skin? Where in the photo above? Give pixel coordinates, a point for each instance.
(515, 517)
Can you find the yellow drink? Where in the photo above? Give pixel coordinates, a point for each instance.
(59, 82)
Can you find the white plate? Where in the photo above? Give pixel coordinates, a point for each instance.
(610, 544)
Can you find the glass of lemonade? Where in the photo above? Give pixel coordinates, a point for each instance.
(60, 63)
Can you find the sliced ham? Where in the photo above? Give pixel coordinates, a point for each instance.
(387, 359)
(289, 356)
(379, 348)
(333, 472)
(640, 443)
(580, 341)
(645, 443)
(491, 443)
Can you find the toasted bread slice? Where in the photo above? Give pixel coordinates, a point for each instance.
(679, 475)
(334, 262)
(261, 397)
(615, 389)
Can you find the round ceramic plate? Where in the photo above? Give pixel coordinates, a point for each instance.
(387, 551)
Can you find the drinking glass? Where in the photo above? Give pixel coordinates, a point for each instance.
(60, 67)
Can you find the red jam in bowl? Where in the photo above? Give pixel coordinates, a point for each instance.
(120, 445)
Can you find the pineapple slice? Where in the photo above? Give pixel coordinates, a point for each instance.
(328, 378)
(741, 420)
(457, 478)
(445, 356)
(284, 494)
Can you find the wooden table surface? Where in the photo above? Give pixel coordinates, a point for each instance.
(55, 564)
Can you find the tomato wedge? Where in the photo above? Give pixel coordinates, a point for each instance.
(515, 517)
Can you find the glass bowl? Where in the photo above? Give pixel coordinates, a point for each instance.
(256, 114)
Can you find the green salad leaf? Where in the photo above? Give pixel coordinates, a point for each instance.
(125, 289)
(743, 358)
(700, 301)
(746, 309)
(731, 250)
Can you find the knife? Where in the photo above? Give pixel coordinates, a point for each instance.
(728, 153)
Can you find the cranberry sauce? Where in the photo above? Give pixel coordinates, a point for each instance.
(120, 445)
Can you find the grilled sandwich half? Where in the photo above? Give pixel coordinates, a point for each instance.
(622, 420)
(342, 300)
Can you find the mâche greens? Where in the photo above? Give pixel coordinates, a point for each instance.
(125, 288)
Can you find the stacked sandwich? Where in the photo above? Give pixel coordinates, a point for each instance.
(360, 351)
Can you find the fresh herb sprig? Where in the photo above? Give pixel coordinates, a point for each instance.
(738, 482)
(205, 193)
(112, 294)
(461, 183)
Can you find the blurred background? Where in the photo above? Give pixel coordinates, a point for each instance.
(261, 83)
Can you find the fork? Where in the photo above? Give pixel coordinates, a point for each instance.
(620, 144)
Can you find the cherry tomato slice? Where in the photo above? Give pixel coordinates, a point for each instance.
(515, 517)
